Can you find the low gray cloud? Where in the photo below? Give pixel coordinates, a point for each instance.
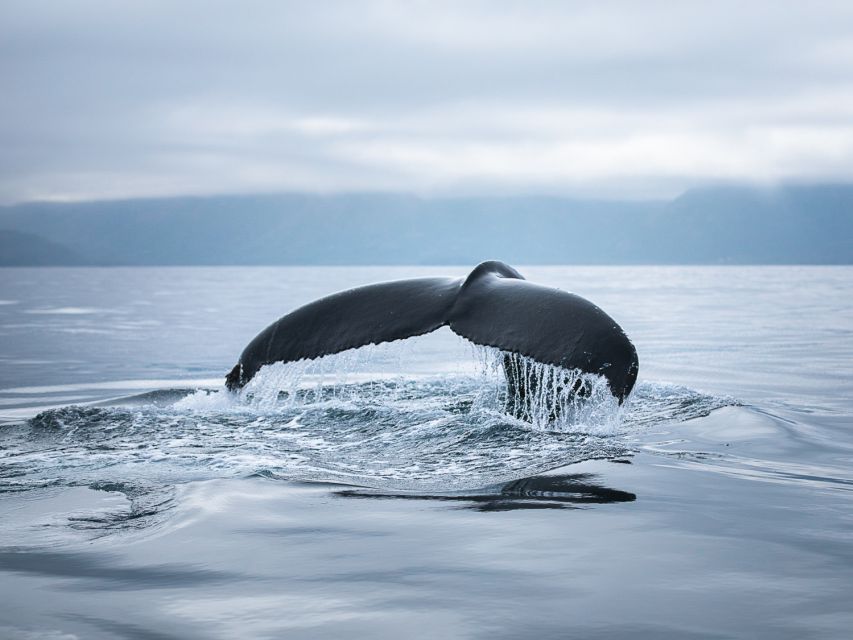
(103, 99)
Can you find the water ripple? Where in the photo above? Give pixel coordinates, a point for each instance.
(416, 434)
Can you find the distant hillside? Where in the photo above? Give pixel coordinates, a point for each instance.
(738, 225)
(804, 225)
(25, 249)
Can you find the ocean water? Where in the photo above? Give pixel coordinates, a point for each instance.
(382, 493)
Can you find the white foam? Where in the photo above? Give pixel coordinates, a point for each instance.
(549, 398)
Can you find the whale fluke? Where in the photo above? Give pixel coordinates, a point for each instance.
(494, 307)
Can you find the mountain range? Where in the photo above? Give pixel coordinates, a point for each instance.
(794, 224)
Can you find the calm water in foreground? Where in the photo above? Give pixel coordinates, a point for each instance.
(385, 495)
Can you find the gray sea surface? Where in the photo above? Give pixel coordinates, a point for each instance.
(382, 493)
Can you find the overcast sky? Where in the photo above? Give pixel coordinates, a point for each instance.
(107, 99)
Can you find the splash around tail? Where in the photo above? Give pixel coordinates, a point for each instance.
(493, 307)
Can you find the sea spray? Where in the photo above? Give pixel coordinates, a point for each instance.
(544, 397)
(355, 418)
(441, 432)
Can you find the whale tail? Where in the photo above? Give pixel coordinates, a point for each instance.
(493, 307)
(234, 379)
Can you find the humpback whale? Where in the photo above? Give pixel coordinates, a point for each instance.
(493, 307)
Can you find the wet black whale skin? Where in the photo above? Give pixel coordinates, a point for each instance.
(494, 306)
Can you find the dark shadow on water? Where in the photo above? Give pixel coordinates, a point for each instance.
(536, 492)
(103, 573)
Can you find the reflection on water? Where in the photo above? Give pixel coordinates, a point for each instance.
(104, 572)
(536, 492)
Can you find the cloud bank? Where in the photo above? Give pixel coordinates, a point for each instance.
(612, 99)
